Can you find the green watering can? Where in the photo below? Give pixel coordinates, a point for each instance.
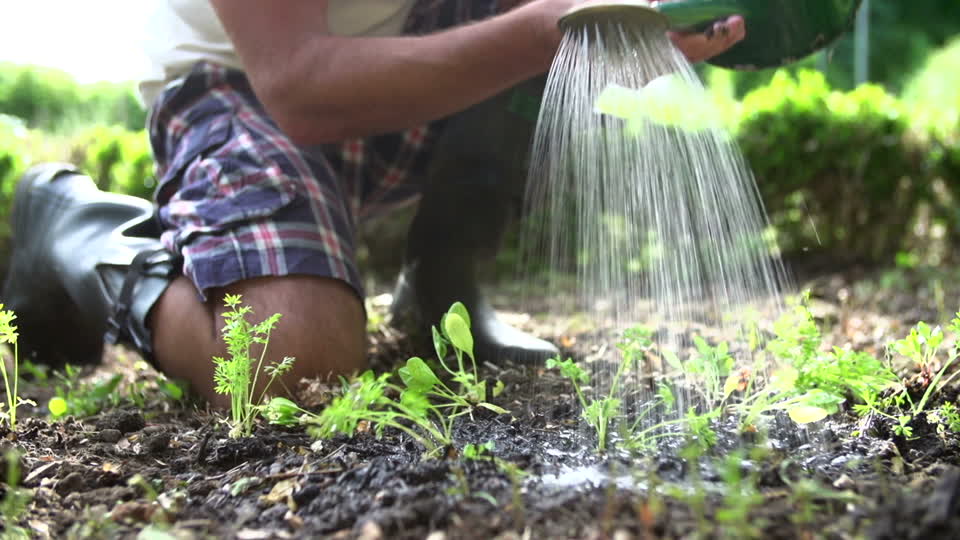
(778, 31)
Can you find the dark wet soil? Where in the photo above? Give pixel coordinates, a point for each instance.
(169, 468)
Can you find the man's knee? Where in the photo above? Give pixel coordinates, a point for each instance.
(322, 322)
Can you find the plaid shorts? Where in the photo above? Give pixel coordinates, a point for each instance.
(238, 200)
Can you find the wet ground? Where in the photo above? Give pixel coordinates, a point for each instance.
(167, 469)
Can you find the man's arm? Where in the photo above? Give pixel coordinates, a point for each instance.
(322, 88)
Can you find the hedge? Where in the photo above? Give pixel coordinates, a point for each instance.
(858, 174)
(850, 173)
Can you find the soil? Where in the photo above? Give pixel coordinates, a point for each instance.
(168, 469)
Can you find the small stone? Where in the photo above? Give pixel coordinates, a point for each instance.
(844, 482)
(110, 436)
(437, 535)
(70, 483)
(370, 531)
(621, 534)
(156, 443)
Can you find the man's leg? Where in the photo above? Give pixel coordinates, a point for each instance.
(474, 186)
(251, 214)
(322, 327)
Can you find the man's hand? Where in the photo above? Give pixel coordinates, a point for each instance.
(717, 39)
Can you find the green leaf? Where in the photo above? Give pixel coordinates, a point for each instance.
(461, 310)
(806, 414)
(439, 344)
(785, 379)
(417, 375)
(415, 402)
(498, 388)
(281, 411)
(457, 330)
(57, 406)
(731, 384)
(492, 407)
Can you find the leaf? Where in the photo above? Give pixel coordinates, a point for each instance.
(672, 359)
(806, 414)
(457, 330)
(281, 411)
(57, 406)
(417, 375)
(498, 388)
(492, 407)
(439, 344)
(461, 310)
(785, 379)
(731, 384)
(416, 403)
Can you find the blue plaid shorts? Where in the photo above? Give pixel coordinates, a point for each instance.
(238, 199)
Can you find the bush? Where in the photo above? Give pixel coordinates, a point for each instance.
(51, 100)
(846, 172)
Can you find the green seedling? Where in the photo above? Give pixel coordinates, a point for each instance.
(238, 375)
(424, 407)
(946, 418)
(711, 367)
(740, 497)
(11, 381)
(81, 399)
(369, 399)
(478, 451)
(15, 500)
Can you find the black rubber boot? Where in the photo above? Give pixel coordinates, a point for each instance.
(86, 267)
(474, 185)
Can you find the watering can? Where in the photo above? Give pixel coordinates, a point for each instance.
(779, 32)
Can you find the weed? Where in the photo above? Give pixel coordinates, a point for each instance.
(8, 335)
(238, 375)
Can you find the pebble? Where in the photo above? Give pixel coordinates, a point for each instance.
(156, 443)
(370, 531)
(68, 484)
(110, 435)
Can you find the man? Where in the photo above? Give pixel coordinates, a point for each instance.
(275, 127)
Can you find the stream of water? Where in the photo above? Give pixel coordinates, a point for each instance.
(638, 189)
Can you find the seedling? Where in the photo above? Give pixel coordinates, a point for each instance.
(477, 451)
(424, 407)
(238, 375)
(15, 500)
(8, 335)
(82, 399)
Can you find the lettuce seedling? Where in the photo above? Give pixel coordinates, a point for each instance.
(237, 376)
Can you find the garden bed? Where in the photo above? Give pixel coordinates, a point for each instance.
(166, 468)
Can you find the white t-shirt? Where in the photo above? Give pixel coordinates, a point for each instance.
(181, 33)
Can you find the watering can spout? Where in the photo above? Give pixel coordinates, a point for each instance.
(779, 32)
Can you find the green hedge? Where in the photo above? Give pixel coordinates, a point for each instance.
(850, 173)
(858, 174)
(51, 100)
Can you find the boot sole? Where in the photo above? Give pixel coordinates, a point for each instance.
(47, 326)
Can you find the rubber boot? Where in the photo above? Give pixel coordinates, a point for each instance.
(86, 267)
(473, 187)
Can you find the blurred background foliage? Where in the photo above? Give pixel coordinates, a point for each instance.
(860, 173)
